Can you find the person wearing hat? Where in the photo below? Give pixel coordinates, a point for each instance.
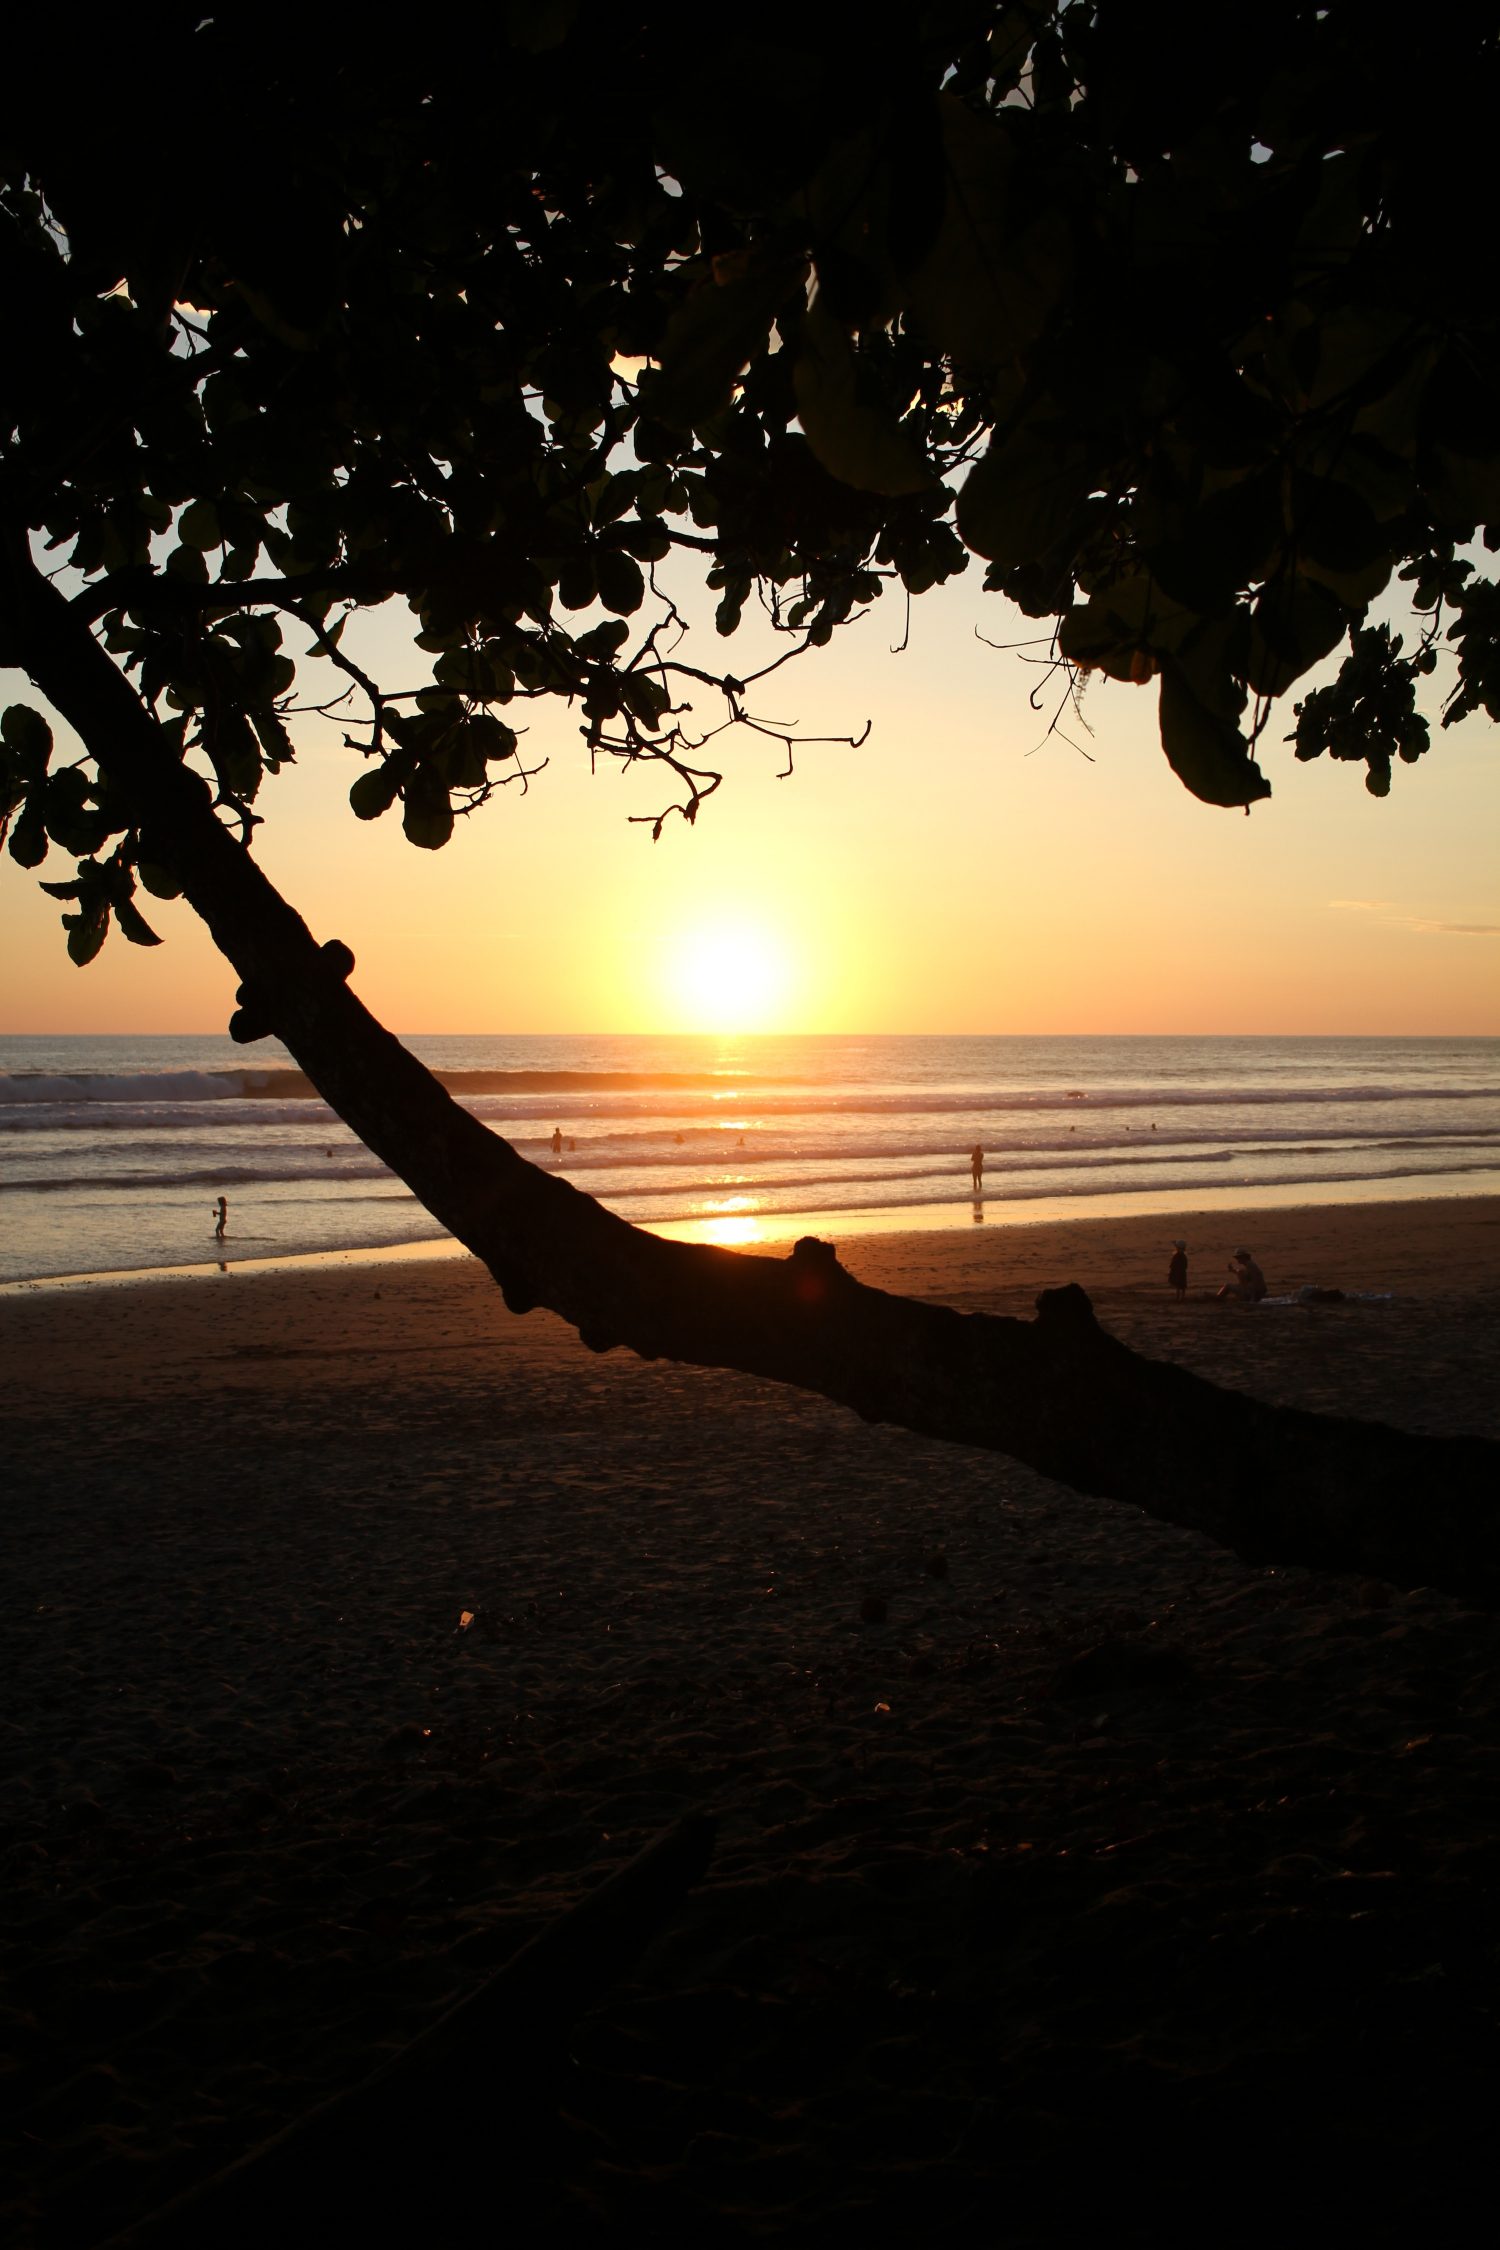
(1177, 1271)
(1248, 1283)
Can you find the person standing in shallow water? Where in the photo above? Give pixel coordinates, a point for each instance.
(976, 1166)
(1177, 1271)
(557, 1140)
(221, 1217)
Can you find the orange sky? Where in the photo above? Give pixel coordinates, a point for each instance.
(939, 879)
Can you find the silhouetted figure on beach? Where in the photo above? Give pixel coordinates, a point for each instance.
(557, 1140)
(1248, 1284)
(221, 1217)
(1177, 1271)
(976, 1166)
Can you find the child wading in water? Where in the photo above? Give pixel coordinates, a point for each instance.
(1177, 1271)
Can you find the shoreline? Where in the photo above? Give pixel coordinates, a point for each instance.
(1209, 1209)
(296, 1323)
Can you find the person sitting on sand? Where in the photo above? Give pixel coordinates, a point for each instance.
(221, 1217)
(1177, 1271)
(1248, 1284)
(976, 1166)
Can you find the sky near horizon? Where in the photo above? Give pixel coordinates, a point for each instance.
(957, 873)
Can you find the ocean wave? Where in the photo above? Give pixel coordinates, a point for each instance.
(280, 1084)
(776, 1096)
(529, 1118)
(686, 1176)
(25, 1087)
(216, 1176)
(1020, 1192)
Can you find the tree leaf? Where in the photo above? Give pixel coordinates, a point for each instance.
(1126, 628)
(371, 795)
(622, 588)
(133, 923)
(492, 739)
(28, 737)
(427, 815)
(648, 542)
(198, 526)
(235, 755)
(1368, 712)
(849, 425)
(275, 742)
(577, 584)
(1294, 624)
(86, 933)
(1010, 42)
(998, 264)
(1356, 588)
(1204, 746)
(1222, 545)
(28, 835)
(712, 336)
(71, 820)
(187, 562)
(1022, 499)
(644, 698)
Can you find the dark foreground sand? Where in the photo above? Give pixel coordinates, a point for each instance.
(993, 1941)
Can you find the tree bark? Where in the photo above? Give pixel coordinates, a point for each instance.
(1274, 1484)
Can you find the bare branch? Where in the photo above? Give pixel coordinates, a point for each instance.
(327, 646)
(903, 644)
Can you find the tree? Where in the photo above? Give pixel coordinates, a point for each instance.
(1190, 359)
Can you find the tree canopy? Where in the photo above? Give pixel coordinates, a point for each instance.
(1164, 318)
(1162, 314)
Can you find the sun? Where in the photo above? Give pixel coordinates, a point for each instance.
(729, 977)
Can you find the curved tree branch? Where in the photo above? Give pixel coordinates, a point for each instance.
(1275, 1484)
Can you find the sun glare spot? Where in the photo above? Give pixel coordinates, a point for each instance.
(730, 1234)
(732, 977)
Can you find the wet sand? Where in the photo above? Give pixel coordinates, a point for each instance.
(353, 1628)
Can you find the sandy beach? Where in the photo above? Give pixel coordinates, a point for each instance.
(354, 1628)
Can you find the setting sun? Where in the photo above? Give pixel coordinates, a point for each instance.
(731, 976)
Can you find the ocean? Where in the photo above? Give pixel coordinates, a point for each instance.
(113, 1149)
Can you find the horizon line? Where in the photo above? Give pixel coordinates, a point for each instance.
(725, 1038)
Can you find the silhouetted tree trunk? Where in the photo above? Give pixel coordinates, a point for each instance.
(1274, 1484)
